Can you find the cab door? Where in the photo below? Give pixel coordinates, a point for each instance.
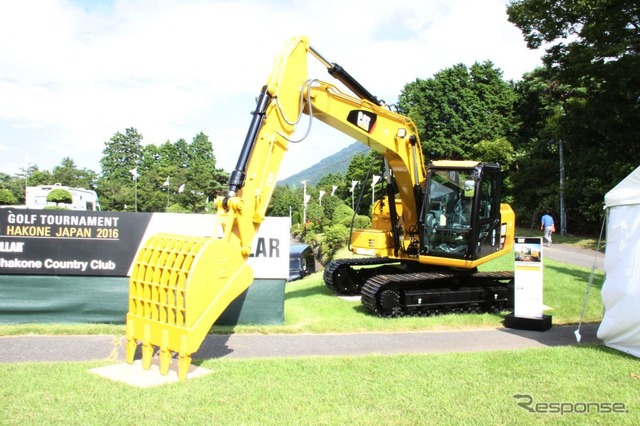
(488, 212)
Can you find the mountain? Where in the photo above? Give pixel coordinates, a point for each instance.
(336, 163)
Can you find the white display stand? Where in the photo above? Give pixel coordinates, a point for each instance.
(528, 296)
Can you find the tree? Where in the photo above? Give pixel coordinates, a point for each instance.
(494, 151)
(539, 109)
(59, 196)
(327, 184)
(329, 205)
(328, 181)
(36, 177)
(121, 154)
(342, 214)
(7, 198)
(335, 238)
(458, 108)
(593, 49)
(176, 176)
(68, 174)
(203, 178)
(15, 185)
(361, 169)
(29, 176)
(152, 173)
(283, 201)
(591, 62)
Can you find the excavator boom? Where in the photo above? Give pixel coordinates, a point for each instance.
(180, 285)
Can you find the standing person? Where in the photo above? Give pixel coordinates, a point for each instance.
(547, 225)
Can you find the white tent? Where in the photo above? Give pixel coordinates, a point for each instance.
(620, 327)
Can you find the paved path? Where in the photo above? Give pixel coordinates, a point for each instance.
(89, 348)
(86, 348)
(574, 256)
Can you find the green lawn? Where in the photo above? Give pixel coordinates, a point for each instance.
(471, 388)
(462, 388)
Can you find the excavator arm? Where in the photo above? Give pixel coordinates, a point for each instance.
(180, 285)
(287, 95)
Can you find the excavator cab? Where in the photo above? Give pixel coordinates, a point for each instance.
(461, 210)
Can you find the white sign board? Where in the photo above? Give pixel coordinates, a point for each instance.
(528, 278)
(269, 250)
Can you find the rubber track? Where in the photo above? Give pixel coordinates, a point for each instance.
(330, 272)
(374, 285)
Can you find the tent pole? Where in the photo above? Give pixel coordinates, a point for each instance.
(586, 296)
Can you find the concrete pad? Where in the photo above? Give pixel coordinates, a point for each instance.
(351, 298)
(135, 375)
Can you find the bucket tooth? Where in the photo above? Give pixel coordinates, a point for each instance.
(147, 348)
(184, 362)
(131, 344)
(184, 359)
(165, 354)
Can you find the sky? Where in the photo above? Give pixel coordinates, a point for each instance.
(75, 72)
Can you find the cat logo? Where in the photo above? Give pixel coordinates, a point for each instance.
(365, 120)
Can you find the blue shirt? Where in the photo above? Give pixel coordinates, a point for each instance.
(547, 220)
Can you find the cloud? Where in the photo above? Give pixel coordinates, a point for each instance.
(74, 73)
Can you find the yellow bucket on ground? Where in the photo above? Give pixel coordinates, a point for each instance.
(178, 287)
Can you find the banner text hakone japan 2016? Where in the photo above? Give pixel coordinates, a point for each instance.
(51, 225)
(64, 242)
(69, 242)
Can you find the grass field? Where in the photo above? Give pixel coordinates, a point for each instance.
(471, 388)
(586, 384)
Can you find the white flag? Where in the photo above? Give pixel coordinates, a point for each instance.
(181, 189)
(166, 182)
(134, 172)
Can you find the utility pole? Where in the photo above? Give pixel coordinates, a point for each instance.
(563, 213)
(354, 183)
(26, 178)
(134, 173)
(375, 180)
(167, 183)
(304, 202)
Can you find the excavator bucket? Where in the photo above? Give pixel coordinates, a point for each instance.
(178, 287)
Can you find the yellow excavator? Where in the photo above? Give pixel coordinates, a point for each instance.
(436, 224)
